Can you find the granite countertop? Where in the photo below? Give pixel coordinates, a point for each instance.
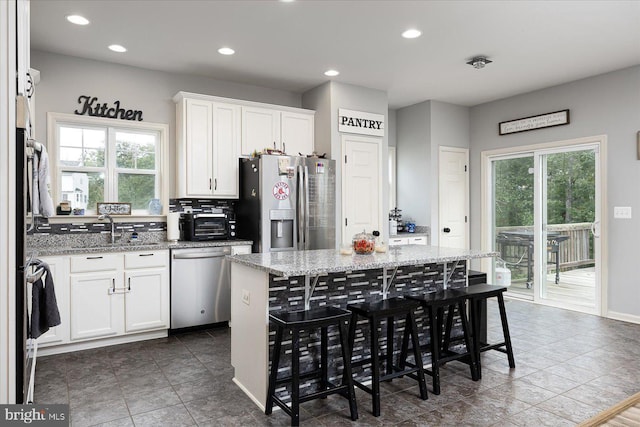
(300, 263)
(129, 247)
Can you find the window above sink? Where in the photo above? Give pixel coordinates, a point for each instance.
(105, 160)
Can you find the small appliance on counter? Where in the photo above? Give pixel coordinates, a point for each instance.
(207, 226)
(395, 221)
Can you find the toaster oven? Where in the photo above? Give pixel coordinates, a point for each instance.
(205, 226)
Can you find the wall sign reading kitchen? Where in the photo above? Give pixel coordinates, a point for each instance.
(360, 122)
(91, 107)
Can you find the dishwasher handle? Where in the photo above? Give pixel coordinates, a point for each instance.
(198, 255)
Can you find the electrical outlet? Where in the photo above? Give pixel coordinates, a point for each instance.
(246, 296)
(622, 212)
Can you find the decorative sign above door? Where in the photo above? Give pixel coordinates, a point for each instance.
(557, 118)
(91, 107)
(360, 122)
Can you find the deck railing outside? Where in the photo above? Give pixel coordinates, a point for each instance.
(575, 252)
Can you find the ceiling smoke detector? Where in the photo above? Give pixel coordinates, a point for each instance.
(479, 62)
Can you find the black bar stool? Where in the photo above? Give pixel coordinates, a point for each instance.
(387, 309)
(477, 296)
(303, 320)
(434, 304)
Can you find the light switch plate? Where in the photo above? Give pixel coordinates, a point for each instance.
(622, 212)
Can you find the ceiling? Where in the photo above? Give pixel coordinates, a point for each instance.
(288, 46)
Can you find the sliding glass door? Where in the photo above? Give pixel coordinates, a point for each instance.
(544, 208)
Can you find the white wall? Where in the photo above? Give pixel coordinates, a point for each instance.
(608, 104)
(65, 78)
(320, 100)
(413, 151)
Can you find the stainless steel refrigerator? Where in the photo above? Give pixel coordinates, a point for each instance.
(287, 203)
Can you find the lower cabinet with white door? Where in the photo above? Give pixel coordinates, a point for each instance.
(408, 240)
(109, 298)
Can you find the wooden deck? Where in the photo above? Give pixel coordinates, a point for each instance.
(576, 286)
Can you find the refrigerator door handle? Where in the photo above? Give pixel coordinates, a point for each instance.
(300, 211)
(306, 207)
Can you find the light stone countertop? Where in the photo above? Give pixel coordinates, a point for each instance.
(314, 262)
(129, 247)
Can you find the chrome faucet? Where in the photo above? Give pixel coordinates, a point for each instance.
(113, 226)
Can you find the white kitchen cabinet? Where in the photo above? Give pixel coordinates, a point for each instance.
(408, 240)
(59, 267)
(396, 241)
(117, 294)
(418, 240)
(208, 135)
(260, 129)
(296, 132)
(96, 305)
(226, 150)
(288, 131)
(146, 298)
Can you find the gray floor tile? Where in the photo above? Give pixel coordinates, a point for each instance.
(568, 365)
(156, 399)
(171, 416)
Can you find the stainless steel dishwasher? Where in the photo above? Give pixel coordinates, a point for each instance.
(200, 286)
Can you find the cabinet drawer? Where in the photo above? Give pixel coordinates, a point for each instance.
(146, 259)
(95, 262)
(421, 240)
(395, 241)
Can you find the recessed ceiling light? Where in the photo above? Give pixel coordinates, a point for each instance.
(287, 1)
(412, 33)
(117, 48)
(78, 20)
(331, 73)
(226, 51)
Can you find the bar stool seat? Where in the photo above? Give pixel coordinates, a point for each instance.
(296, 321)
(434, 304)
(374, 312)
(476, 295)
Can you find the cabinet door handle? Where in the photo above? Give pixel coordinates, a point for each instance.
(209, 183)
(274, 145)
(94, 257)
(215, 184)
(284, 147)
(129, 283)
(145, 254)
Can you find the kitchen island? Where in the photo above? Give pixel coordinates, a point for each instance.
(299, 280)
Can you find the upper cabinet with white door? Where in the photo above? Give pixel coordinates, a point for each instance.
(213, 132)
(208, 136)
(288, 131)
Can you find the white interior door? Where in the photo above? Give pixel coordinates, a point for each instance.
(361, 185)
(453, 197)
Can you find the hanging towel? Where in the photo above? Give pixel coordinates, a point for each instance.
(43, 204)
(44, 307)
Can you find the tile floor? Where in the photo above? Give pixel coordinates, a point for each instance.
(570, 366)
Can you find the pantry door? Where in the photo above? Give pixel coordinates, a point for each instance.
(453, 197)
(361, 185)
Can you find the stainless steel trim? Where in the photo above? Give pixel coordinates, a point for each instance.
(212, 254)
(300, 216)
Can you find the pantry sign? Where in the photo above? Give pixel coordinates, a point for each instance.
(360, 122)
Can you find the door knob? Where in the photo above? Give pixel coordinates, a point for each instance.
(446, 229)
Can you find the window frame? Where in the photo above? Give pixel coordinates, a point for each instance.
(54, 120)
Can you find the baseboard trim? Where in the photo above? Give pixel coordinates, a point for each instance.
(623, 317)
(96, 343)
(251, 396)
